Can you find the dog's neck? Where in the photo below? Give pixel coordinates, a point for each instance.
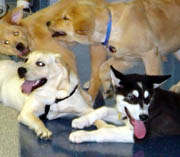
(102, 19)
(101, 24)
(73, 82)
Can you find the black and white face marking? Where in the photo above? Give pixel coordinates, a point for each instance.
(134, 101)
(135, 92)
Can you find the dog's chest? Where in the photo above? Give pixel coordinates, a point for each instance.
(73, 105)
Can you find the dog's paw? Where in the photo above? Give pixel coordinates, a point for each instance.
(108, 93)
(80, 123)
(79, 136)
(86, 85)
(43, 133)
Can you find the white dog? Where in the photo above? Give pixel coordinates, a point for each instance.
(44, 79)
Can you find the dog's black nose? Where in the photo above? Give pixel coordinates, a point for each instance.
(20, 46)
(48, 23)
(21, 72)
(143, 117)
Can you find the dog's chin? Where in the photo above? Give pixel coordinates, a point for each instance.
(139, 127)
(29, 86)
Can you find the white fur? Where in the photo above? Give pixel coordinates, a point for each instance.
(123, 133)
(113, 134)
(33, 105)
(146, 94)
(115, 80)
(140, 84)
(23, 3)
(135, 93)
(75, 104)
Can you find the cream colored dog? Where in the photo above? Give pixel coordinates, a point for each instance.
(137, 30)
(43, 80)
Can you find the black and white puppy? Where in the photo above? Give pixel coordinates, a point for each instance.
(145, 110)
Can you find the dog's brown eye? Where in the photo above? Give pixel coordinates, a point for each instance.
(16, 33)
(40, 64)
(65, 18)
(6, 42)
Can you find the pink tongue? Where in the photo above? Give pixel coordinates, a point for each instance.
(139, 129)
(22, 53)
(27, 86)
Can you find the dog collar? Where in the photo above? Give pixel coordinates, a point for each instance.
(58, 100)
(47, 107)
(108, 32)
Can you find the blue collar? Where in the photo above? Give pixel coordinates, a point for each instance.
(108, 32)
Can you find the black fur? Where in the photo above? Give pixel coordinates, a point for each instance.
(164, 108)
(164, 114)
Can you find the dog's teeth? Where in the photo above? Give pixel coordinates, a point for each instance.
(36, 83)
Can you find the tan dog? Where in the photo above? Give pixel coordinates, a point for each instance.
(141, 30)
(20, 36)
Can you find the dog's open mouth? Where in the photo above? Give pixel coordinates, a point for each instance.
(24, 52)
(139, 127)
(29, 86)
(57, 34)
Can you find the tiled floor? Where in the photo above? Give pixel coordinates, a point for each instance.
(59, 146)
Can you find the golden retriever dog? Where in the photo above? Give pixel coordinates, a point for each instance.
(19, 36)
(44, 87)
(136, 30)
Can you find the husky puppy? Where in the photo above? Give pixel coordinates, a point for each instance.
(145, 109)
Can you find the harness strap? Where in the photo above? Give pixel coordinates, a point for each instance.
(47, 107)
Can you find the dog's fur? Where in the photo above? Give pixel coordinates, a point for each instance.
(145, 109)
(20, 36)
(60, 81)
(141, 29)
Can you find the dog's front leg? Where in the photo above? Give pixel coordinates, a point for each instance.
(103, 113)
(98, 56)
(104, 72)
(118, 134)
(152, 62)
(27, 117)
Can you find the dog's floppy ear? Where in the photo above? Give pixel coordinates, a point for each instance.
(82, 27)
(82, 21)
(158, 80)
(14, 16)
(64, 84)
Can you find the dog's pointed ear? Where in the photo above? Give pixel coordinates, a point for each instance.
(158, 80)
(14, 16)
(64, 84)
(116, 77)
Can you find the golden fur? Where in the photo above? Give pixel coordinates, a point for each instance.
(141, 30)
(33, 34)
